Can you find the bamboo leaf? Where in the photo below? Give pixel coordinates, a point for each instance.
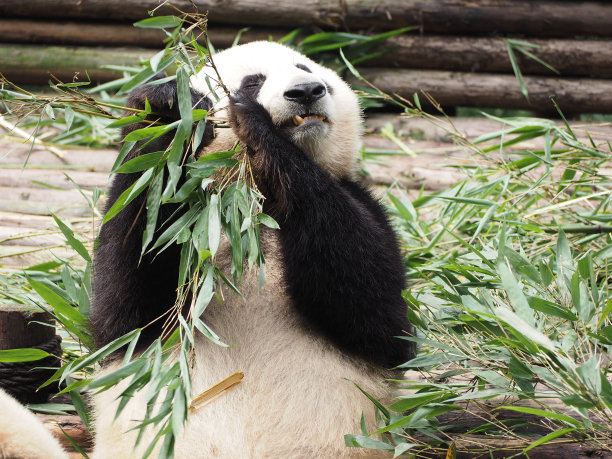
(129, 195)
(72, 240)
(22, 355)
(159, 22)
(140, 163)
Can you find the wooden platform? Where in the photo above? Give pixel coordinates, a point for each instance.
(62, 186)
(50, 185)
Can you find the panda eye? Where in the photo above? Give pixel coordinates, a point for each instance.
(252, 83)
(303, 67)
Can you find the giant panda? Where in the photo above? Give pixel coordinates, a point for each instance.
(330, 314)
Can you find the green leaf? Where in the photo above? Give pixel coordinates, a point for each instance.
(549, 437)
(129, 195)
(214, 224)
(153, 205)
(515, 68)
(22, 355)
(515, 294)
(350, 66)
(184, 99)
(409, 402)
(425, 361)
(361, 441)
(546, 414)
(207, 331)
(126, 121)
(152, 132)
(125, 150)
(267, 221)
(118, 375)
(205, 294)
(72, 241)
(69, 117)
(179, 410)
(172, 232)
(140, 163)
(57, 302)
(476, 202)
(550, 308)
(88, 360)
(159, 22)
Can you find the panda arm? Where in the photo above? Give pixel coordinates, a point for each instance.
(342, 264)
(130, 292)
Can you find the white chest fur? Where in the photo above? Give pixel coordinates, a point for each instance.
(297, 398)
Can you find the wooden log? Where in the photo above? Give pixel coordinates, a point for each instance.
(471, 446)
(80, 158)
(37, 177)
(22, 222)
(21, 326)
(30, 194)
(542, 18)
(489, 54)
(32, 64)
(455, 89)
(8, 236)
(21, 257)
(473, 54)
(72, 426)
(44, 208)
(16, 30)
(450, 89)
(468, 446)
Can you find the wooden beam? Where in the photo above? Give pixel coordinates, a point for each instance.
(414, 51)
(542, 18)
(454, 89)
(489, 54)
(80, 33)
(34, 64)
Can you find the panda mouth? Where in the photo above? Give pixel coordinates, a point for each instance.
(299, 120)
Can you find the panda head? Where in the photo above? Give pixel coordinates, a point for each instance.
(309, 103)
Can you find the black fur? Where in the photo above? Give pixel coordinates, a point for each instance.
(126, 294)
(342, 264)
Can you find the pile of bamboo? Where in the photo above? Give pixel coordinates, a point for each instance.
(457, 53)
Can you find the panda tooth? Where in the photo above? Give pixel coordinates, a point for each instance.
(298, 120)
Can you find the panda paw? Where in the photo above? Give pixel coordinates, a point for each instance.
(250, 120)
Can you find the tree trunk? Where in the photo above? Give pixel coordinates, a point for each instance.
(455, 89)
(542, 18)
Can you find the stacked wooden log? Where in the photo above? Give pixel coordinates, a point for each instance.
(457, 53)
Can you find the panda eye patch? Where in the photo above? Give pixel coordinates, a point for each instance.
(303, 67)
(252, 83)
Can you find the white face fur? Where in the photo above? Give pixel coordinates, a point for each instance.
(332, 137)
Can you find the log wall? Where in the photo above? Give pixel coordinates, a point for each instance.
(465, 39)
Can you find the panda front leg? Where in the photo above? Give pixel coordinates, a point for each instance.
(342, 264)
(130, 291)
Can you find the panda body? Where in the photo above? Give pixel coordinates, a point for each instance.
(329, 312)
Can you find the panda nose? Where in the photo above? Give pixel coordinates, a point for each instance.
(305, 93)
